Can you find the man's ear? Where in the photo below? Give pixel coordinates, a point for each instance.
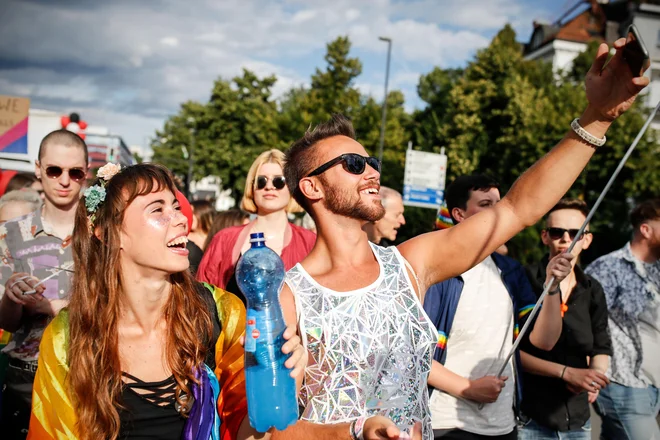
(311, 188)
(587, 239)
(545, 237)
(37, 169)
(645, 230)
(458, 214)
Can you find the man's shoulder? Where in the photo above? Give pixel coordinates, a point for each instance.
(506, 264)
(607, 262)
(30, 218)
(19, 229)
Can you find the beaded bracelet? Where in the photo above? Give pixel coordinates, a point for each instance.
(357, 428)
(586, 136)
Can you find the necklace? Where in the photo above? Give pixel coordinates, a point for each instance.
(564, 306)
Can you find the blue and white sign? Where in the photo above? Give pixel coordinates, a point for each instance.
(424, 179)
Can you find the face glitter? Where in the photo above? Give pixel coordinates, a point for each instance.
(162, 221)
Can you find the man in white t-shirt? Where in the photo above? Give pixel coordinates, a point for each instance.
(477, 315)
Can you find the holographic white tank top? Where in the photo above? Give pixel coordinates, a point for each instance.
(371, 349)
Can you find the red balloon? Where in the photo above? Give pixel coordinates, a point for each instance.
(82, 124)
(64, 120)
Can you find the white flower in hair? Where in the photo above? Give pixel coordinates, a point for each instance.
(108, 171)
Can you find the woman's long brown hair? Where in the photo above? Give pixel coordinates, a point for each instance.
(95, 371)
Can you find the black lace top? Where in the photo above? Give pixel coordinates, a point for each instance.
(150, 411)
(150, 407)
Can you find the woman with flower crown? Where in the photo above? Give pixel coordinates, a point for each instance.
(142, 350)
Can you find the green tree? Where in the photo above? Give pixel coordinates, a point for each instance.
(503, 113)
(332, 91)
(367, 123)
(238, 123)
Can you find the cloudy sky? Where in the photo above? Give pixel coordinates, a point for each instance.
(128, 64)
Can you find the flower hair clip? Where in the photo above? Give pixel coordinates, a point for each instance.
(95, 195)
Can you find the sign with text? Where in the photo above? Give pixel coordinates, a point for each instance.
(424, 179)
(14, 124)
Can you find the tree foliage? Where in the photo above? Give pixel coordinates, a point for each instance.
(497, 115)
(504, 112)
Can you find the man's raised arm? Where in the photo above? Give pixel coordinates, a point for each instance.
(611, 89)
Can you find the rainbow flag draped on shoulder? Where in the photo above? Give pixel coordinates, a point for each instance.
(221, 409)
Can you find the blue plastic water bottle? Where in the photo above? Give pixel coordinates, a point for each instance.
(271, 391)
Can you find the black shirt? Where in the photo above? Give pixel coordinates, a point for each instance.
(232, 287)
(584, 333)
(144, 416)
(195, 255)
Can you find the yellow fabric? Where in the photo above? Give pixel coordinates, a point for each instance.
(5, 337)
(229, 359)
(53, 416)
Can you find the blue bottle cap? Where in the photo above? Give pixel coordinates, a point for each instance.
(257, 237)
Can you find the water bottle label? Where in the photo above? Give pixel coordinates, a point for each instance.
(256, 327)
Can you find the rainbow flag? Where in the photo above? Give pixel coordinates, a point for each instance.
(443, 219)
(442, 340)
(14, 124)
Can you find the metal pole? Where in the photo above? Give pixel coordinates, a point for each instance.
(577, 236)
(191, 153)
(387, 78)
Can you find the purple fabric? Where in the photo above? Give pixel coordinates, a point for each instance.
(202, 414)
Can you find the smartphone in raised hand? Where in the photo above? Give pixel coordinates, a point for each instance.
(635, 53)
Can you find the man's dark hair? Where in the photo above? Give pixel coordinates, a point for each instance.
(300, 158)
(644, 212)
(567, 203)
(460, 190)
(62, 137)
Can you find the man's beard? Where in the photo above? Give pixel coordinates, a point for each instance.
(340, 203)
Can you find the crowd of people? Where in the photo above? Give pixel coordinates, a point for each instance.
(126, 319)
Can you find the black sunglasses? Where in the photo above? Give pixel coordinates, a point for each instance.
(355, 164)
(279, 182)
(76, 174)
(557, 233)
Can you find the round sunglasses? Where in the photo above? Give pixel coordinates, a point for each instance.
(75, 174)
(557, 233)
(355, 164)
(279, 182)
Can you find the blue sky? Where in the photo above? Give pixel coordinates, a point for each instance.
(129, 64)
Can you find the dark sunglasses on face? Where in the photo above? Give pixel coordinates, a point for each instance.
(76, 174)
(557, 233)
(279, 182)
(355, 164)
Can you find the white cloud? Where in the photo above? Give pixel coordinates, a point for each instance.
(126, 61)
(169, 41)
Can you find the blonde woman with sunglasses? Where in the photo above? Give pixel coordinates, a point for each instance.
(266, 195)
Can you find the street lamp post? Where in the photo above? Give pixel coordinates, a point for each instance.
(387, 77)
(190, 157)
